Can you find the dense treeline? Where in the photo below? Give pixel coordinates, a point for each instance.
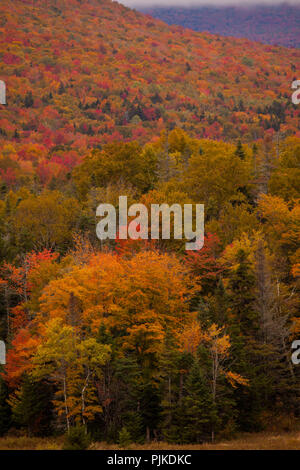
(141, 338)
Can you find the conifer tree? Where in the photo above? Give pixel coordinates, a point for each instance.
(200, 409)
(239, 151)
(32, 407)
(5, 411)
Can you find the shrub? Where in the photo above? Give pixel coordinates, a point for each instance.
(77, 439)
(124, 438)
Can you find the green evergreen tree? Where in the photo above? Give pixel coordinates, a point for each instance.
(5, 411)
(32, 407)
(124, 438)
(77, 439)
(239, 151)
(241, 287)
(150, 409)
(128, 385)
(200, 409)
(174, 366)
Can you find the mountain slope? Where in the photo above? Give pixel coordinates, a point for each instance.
(81, 73)
(269, 24)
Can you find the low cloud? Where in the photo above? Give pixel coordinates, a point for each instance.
(198, 3)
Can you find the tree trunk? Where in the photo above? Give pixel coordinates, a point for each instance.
(83, 400)
(66, 403)
(148, 434)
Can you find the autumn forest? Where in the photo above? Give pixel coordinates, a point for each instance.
(140, 340)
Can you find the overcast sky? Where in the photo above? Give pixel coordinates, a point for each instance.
(141, 3)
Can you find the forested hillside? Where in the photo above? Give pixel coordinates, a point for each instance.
(134, 340)
(269, 24)
(82, 73)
